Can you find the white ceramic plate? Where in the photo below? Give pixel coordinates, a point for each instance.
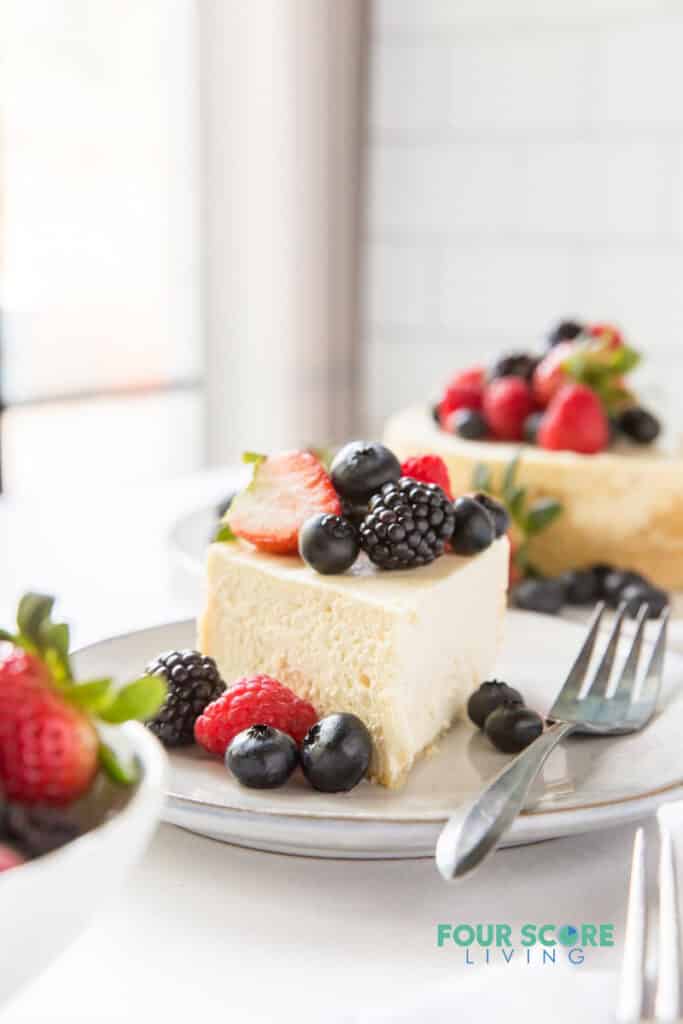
(586, 784)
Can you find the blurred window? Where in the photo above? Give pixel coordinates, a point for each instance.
(101, 357)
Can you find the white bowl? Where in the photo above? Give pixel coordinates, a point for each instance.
(46, 903)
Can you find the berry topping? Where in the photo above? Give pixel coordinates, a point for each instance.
(507, 403)
(608, 333)
(474, 528)
(639, 425)
(428, 469)
(574, 421)
(459, 396)
(497, 511)
(472, 377)
(49, 748)
(37, 829)
(262, 757)
(532, 425)
(361, 468)
(539, 595)
(517, 364)
(512, 728)
(468, 424)
(329, 544)
(488, 697)
(550, 374)
(615, 582)
(193, 681)
(9, 858)
(637, 594)
(336, 752)
(253, 700)
(581, 586)
(566, 330)
(407, 525)
(284, 491)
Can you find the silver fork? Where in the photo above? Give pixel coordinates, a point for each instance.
(632, 995)
(475, 830)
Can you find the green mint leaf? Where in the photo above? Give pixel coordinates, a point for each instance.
(224, 534)
(515, 505)
(91, 696)
(112, 767)
(253, 457)
(541, 514)
(34, 611)
(139, 700)
(509, 477)
(624, 359)
(481, 477)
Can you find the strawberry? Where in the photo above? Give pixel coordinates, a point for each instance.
(473, 377)
(507, 403)
(430, 469)
(49, 746)
(574, 421)
(607, 333)
(550, 375)
(459, 396)
(285, 490)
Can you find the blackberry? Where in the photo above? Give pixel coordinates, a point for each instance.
(407, 524)
(37, 829)
(516, 364)
(193, 682)
(566, 330)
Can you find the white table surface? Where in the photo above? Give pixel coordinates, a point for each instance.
(204, 929)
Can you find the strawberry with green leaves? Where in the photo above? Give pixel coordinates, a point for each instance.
(50, 748)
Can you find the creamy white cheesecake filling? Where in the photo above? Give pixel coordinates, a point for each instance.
(403, 650)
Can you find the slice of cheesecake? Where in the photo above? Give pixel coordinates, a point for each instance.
(402, 650)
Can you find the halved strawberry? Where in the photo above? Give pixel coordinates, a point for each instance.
(285, 490)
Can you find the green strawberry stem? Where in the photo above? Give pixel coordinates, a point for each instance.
(100, 699)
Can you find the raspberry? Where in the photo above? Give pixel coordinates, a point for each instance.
(507, 403)
(9, 858)
(429, 469)
(253, 700)
(574, 421)
(459, 396)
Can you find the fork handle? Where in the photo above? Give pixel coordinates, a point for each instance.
(474, 831)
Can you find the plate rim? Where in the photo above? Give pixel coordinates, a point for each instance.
(592, 809)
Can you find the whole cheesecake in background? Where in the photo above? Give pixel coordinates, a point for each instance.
(580, 436)
(364, 589)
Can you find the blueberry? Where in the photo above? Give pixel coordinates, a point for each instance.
(497, 511)
(335, 753)
(566, 330)
(531, 427)
(512, 728)
(637, 594)
(539, 595)
(616, 581)
(329, 544)
(474, 528)
(515, 364)
(639, 425)
(262, 757)
(488, 697)
(581, 586)
(360, 468)
(469, 424)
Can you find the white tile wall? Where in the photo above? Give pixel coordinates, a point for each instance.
(526, 163)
